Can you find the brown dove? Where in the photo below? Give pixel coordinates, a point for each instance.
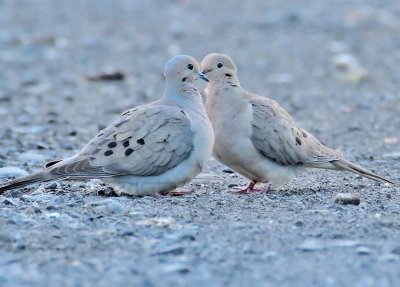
(257, 138)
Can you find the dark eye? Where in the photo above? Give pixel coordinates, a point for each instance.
(219, 65)
(190, 67)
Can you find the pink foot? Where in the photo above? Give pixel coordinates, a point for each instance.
(264, 189)
(247, 189)
(250, 188)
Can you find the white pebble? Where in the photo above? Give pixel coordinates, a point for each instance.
(12, 171)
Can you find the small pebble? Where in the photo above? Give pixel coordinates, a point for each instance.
(9, 201)
(311, 245)
(115, 207)
(51, 207)
(127, 233)
(107, 76)
(12, 171)
(347, 198)
(363, 250)
(52, 186)
(53, 215)
(176, 268)
(299, 223)
(107, 191)
(171, 250)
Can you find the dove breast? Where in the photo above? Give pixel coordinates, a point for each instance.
(234, 138)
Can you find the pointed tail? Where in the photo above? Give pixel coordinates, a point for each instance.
(346, 165)
(41, 176)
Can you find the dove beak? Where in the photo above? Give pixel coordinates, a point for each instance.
(202, 76)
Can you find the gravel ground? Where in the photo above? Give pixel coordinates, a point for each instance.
(333, 65)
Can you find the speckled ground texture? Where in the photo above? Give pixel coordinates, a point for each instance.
(78, 234)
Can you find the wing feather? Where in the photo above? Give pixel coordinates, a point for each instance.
(147, 140)
(277, 136)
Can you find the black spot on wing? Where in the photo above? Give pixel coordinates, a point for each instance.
(140, 141)
(51, 163)
(298, 141)
(112, 145)
(108, 152)
(128, 151)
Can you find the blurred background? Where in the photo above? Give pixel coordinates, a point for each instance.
(68, 68)
(335, 64)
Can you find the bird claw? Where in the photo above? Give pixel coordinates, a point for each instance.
(241, 191)
(250, 188)
(264, 189)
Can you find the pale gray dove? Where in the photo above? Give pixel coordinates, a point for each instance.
(256, 137)
(151, 148)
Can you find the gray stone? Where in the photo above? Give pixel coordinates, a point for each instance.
(347, 198)
(171, 250)
(299, 223)
(52, 186)
(9, 201)
(179, 268)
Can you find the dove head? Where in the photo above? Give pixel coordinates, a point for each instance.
(220, 68)
(183, 69)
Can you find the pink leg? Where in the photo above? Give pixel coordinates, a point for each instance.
(250, 188)
(247, 189)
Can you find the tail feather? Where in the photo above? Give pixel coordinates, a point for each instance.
(346, 165)
(26, 180)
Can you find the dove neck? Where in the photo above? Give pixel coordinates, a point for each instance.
(228, 79)
(184, 95)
